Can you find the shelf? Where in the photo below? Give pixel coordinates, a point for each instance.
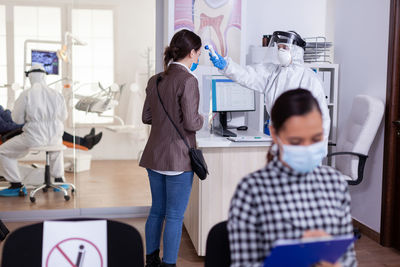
(321, 65)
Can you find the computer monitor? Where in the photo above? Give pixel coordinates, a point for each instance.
(229, 96)
(48, 59)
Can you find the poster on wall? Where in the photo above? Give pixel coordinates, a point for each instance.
(217, 22)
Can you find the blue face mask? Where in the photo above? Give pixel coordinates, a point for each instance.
(194, 65)
(304, 159)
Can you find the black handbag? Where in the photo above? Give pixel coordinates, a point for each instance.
(199, 165)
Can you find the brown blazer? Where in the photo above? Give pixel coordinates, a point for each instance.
(179, 91)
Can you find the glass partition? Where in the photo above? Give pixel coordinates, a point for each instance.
(98, 56)
(110, 70)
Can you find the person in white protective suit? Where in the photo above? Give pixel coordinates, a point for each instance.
(274, 79)
(42, 110)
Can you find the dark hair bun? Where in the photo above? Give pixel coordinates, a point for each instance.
(180, 46)
(171, 52)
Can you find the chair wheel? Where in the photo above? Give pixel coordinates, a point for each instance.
(72, 190)
(21, 193)
(66, 198)
(32, 199)
(45, 189)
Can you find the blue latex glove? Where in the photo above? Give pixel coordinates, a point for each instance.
(219, 62)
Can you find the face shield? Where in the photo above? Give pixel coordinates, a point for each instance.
(283, 42)
(286, 40)
(33, 71)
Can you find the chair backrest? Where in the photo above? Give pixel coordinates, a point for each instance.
(217, 247)
(359, 132)
(23, 247)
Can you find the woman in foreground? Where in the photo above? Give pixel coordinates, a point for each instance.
(293, 196)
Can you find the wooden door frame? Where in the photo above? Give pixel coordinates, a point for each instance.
(390, 218)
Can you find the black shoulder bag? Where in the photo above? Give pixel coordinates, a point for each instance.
(199, 165)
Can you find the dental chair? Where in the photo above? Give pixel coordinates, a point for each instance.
(356, 137)
(47, 183)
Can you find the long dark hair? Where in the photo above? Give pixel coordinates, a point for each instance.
(296, 102)
(181, 45)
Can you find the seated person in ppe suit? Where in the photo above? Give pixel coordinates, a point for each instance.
(274, 79)
(9, 129)
(42, 110)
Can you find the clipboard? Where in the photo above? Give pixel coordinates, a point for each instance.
(307, 252)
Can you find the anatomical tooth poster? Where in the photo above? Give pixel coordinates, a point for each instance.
(217, 22)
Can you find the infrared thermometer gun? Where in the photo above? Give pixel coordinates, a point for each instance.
(212, 51)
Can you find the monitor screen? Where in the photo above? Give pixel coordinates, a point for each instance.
(228, 95)
(48, 59)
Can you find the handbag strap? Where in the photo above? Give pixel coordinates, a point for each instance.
(159, 78)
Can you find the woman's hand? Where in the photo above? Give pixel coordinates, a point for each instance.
(315, 233)
(320, 233)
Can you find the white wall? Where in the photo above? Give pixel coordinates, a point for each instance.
(306, 17)
(135, 32)
(361, 47)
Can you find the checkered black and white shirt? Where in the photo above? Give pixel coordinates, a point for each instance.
(278, 203)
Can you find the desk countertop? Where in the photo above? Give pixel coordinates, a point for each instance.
(205, 139)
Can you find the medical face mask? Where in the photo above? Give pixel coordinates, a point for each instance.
(304, 159)
(284, 57)
(194, 65)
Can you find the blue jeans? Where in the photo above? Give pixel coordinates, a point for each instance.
(170, 196)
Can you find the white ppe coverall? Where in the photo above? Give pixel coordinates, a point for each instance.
(273, 79)
(42, 110)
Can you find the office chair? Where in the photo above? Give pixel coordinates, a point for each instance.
(217, 247)
(3, 231)
(356, 137)
(47, 183)
(23, 247)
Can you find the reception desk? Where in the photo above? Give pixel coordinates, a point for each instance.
(228, 162)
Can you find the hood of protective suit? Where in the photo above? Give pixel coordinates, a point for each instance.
(37, 77)
(297, 55)
(41, 109)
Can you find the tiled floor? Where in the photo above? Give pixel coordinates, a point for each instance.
(369, 253)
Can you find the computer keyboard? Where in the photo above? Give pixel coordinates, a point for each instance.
(250, 139)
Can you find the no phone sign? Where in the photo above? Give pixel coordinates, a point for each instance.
(74, 244)
(74, 252)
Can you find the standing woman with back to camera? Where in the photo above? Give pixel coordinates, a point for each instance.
(166, 157)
